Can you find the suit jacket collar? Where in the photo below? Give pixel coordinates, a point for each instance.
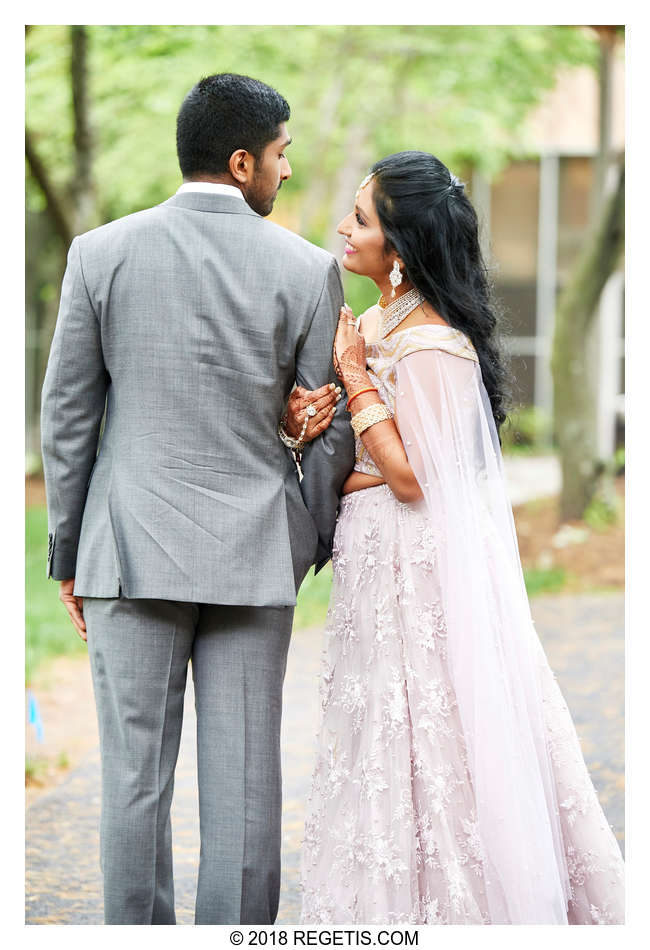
(204, 201)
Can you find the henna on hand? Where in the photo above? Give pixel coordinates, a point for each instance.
(349, 354)
(324, 402)
(353, 370)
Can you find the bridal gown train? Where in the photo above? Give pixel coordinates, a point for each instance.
(449, 785)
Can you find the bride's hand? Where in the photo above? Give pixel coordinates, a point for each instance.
(324, 402)
(349, 351)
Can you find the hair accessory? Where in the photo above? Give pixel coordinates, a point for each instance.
(454, 183)
(398, 310)
(370, 416)
(364, 183)
(369, 389)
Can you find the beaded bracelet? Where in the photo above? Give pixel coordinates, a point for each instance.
(379, 412)
(296, 445)
(370, 389)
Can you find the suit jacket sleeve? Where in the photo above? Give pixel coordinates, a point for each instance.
(329, 458)
(72, 406)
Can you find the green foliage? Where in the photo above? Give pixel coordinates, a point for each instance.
(313, 599)
(459, 91)
(33, 463)
(605, 507)
(356, 93)
(619, 460)
(527, 430)
(360, 292)
(35, 769)
(544, 580)
(49, 632)
(603, 510)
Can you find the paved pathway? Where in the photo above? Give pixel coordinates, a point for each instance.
(583, 637)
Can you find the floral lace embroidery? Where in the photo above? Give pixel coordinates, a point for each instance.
(391, 835)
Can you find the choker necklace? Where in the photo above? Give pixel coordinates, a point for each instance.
(398, 310)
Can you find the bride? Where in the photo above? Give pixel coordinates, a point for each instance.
(449, 785)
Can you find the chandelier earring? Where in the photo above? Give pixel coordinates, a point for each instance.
(395, 277)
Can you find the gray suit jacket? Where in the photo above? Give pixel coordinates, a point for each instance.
(183, 328)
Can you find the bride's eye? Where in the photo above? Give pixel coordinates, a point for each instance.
(360, 219)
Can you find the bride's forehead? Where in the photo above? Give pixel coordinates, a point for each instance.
(363, 184)
(363, 199)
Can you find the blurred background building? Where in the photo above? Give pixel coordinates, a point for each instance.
(537, 214)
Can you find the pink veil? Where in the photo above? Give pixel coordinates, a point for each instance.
(445, 420)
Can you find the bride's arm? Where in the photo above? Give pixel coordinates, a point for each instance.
(382, 440)
(358, 480)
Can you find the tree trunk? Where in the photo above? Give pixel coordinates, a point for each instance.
(71, 210)
(83, 186)
(607, 41)
(575, 418)
(58, 207)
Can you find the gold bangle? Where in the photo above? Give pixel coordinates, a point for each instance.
(370, 416)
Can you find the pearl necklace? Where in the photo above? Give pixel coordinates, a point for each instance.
(397, 310)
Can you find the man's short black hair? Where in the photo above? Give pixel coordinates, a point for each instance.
(223, 113)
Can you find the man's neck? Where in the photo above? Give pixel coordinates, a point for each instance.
(214, 180)
(211, 187)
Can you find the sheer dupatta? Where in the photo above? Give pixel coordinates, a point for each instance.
(445, 420)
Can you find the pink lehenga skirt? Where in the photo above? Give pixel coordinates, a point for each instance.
(391, 835)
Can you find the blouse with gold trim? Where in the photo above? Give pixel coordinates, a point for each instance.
(382, 357)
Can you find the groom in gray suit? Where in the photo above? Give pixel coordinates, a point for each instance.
(177, 524)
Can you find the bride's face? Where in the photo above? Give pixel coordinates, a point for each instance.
(365, 252)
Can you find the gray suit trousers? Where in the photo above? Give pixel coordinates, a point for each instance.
(139, 652)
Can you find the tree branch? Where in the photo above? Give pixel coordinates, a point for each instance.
(60, 215)
(82, 133)
(574, 379)
(596, 262)
(83, 186)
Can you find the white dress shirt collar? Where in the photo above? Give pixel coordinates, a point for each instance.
(212, 187)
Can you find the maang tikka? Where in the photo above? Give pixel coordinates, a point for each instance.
(395, 277)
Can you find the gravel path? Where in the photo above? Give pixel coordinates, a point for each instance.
(583, 637)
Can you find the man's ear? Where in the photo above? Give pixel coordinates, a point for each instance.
(241, 165)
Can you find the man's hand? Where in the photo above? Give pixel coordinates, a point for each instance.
(74, 606)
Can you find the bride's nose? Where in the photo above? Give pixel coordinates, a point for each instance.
(344, 226)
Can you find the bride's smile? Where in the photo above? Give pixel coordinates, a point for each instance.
(366, 251)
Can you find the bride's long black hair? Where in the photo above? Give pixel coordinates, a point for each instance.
(429, 220)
